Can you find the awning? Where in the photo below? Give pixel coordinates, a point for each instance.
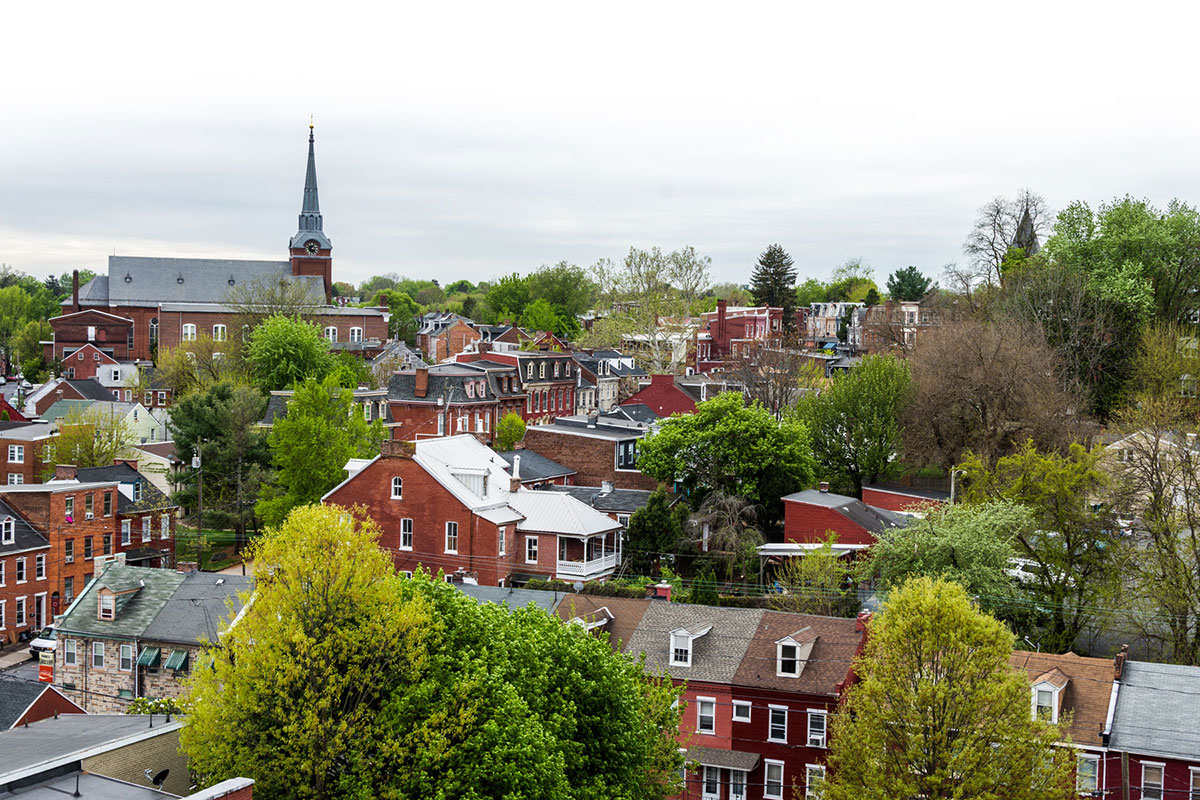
(729, 759)
(148, 657)
(177, 660)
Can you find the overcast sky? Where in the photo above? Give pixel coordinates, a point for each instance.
(466, 141)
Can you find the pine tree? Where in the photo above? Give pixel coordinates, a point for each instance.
(774, 283)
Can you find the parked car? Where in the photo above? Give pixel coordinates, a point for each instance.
(44, 642)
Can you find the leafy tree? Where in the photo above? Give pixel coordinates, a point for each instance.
(350, 371)
(89, 436)
(540, 316)
(261, 298)
(343, 680)
(566, 287)
(1001, 225)
(938, 713)
(731, 532)
(1074, 544)
(851, 282)
(855, 422)
(509, 430)
(311, 445)
(14, 314)
(285, 350)
(809, 292)
(221, 422)
(972, 545)
(429, 296)
(778, 376)
(461, 287)
(907, 283)
(376, 283)
(197, 365)
(654, 529)
(821, 582)
(507, 298)
(27, 347)
(402, 324)
(731, 447)
(774, 283)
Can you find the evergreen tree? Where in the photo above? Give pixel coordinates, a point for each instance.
(908, 284)
(774, 283)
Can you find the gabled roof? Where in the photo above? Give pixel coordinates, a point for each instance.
(141, 281)
(624, 614)
(617, 501)
(194, 612)
(534, 466)
(25, 536)
(90, 389)
(157, 586)
(442, 456)
(1156, 711)
(16, 696)
(716, 656)
(833, 640)
(868, 517)
(552, 512)
(152, 497)
(26, 431)
(1087, 685)
(513, 598)
(635, 412)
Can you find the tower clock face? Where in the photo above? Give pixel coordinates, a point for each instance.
(312, 246)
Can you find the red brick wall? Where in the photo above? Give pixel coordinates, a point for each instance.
(594, 460)
(171, 325)
(85, 364)
(30, 469)
(894, 501)
(29, 589)
(663, 397)
(71, 332)
(430, 506)
(47, 705)
(808, 523)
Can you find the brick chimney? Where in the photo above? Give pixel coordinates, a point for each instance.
(397, 448)
(64, 472)
(186, 566)
(133, 462)
(1119, 662)
(824, 486)
(514, 483)
(659, 591)
(862, 620)
(75, 290)
(422, 387)
(720, 337)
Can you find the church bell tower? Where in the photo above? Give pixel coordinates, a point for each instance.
(311, 250)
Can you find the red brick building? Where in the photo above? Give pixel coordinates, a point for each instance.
(811, 515)
(599, 449)
(663, 396)
(449, 399)
(24, 586)
(52, 391)
(21, 448)
(444, 335)
(894, 497)
(732, 332)
(548, 380)
(448, 504)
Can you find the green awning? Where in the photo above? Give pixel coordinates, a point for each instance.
(177, 660)
(148, 657)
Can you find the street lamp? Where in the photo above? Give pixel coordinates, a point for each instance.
(198, 465)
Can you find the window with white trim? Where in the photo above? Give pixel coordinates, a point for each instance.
(356, 334)
(451, 537)
(1194, 783)
(165, 526)
(20, 612)
(1152, 781)
(681, 650)
(116, 375)
(397, 488)
(331, 333)
(531, 549)
(741, 711)
(218, 333)
(2, 563)
(8, 531)
(706, 715)
(710, 783)
(814, 776)
(108, 606)
(68, 553)
(737, 784)
(20, 570)
(16, 454)
(817, 727)
(777, 730)
(772, 780)
(188, 333)
(1087, 775)
(126, 658)
(70, 653)
(15, 479)
(126, 527)
(1045, 702)
(39, 567)
(97, 655)
(787, 660)
(502, 535)
(145, 529)
(406, 534)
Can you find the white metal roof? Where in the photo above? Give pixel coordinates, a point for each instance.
(442, 457)
(554, 512)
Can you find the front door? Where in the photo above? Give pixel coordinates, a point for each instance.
(737, 784)
(39, 611)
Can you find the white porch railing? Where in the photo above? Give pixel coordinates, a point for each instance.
(588, 569)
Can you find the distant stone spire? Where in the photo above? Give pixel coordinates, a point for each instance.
(310, 209)
(1026, 237)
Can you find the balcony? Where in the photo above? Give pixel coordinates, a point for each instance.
(587, 570)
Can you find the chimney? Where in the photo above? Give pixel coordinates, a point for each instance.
(422, 387)
(186, 566)
(64, 472)
(75, 290)
(1119, 662)
(58, 393)
(824, 485)
(862, 620)
(721, 305)
(133, 462)
(514, 482)
(659, 591)
(662, 380)
(592, 419)
(397, 448)
(606, 487)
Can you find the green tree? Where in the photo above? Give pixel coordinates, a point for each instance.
(285, 350)
(310, 446)
(972, 545)
(343, 680)
(820, 582)
(27, 347)
(566, 287)
(196, 365)
(506, 298)
(402, 324)
(654, 529)
(809, 292)
(730, 526)
(1075, 545)
(855, 423)
(907, 283)
(509, 430)
(89, 436)
(773, 283)
(938, 713)
(15, 305)
(851, 282)
(541, 316)
(221, 423)
(350, 371)
(732, 447)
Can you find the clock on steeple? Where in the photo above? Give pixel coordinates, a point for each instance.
(311, 250)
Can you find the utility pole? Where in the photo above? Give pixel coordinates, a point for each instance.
(198, 465)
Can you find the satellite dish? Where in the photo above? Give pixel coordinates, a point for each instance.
(158, 778)
(577, 586)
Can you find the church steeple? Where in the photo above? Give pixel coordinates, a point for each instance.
(310, 227)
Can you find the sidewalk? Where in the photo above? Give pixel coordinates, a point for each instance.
(14, 654)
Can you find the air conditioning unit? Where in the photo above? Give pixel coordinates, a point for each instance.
(69, 559)
(89, 515)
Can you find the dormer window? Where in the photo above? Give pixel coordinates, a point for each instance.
(137, 491)
(470, 389)
(682, 641)
(792, 653)
(542, 370)
(1046, 695)
(8, 531)
(108, 605)
(556, 369)
(529, 370)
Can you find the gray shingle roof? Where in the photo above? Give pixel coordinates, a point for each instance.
(152, 498)
(1156, 711)
(716, 655)
(15, 696)
(534, 466)
(139, 612)
(869, 517)
(618, 501)
(90, 389)
(141, 281)
(194, 612)
(26, 538)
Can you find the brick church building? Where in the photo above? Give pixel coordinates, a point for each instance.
(143, 304)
